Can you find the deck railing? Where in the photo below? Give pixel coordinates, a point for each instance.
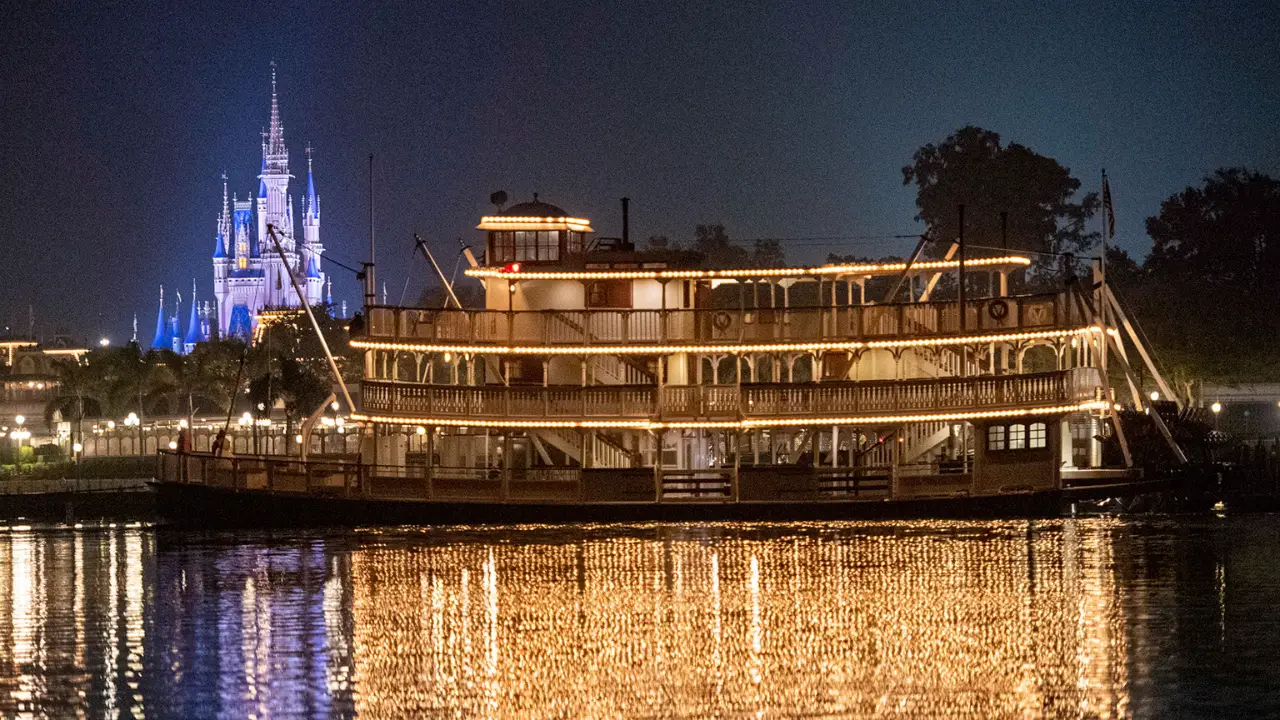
(349, 478)
(719, 326)
(731, 401)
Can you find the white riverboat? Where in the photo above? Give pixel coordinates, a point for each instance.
(603, 380)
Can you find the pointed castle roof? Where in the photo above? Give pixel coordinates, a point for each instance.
(275, 156)
(195, 332)
(312, 209)
(161, 339)
(224, 225)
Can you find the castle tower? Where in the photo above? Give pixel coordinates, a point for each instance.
(194, 333)
(161, 339)
(222, 251)
(249, 274)
(273, 208)
(311, 247)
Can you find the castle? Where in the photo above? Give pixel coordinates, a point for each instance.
(249, 274)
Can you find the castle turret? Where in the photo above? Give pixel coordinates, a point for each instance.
(161, 339)
(222, 249)
(311, 248)
(194, 334)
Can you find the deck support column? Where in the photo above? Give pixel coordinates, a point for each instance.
(835, 446)
(428, 471)
(737, 462)
(661, 437)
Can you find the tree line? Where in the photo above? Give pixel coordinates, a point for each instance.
(1205, 293)
(286, 367)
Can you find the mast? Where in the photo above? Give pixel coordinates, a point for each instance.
(370, 279)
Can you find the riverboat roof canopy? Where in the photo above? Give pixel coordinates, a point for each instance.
(534, 215)
(515, 272)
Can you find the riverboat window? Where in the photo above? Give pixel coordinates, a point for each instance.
(1038, 436)
(995, 437)
(537, 245)
(574, 244)
(502, 247)
(609, 294)
(1017, 437)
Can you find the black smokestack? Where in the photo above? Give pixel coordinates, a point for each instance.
(626, 224)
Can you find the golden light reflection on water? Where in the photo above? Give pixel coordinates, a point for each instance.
(919, 621)
(1005, 619)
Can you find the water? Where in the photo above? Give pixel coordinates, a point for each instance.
(1157, 617)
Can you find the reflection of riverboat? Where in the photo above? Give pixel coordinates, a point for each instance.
(602, 381)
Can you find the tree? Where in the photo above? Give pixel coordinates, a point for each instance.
(767, 253)
(78, 395)
(293, 336)
(130, 380)
(717, 250)
(1207, 295)
(658, 243)
(204, 380)
(972, 167)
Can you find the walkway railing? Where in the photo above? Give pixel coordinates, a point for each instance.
(730, 401)
(714, 326)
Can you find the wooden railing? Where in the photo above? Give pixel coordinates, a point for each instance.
(675, 402)
(349, 478)
(726, 326)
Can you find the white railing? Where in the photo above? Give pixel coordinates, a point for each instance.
(727, 326)
(676, 402)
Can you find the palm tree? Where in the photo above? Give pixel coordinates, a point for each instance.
(202, 381)
(133, 381)
(79, 394)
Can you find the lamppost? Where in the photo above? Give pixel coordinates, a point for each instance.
(21, 434)
(132, 420)
(1216, 408)
(246, 420)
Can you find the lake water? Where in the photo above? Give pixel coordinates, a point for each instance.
(1155, 617)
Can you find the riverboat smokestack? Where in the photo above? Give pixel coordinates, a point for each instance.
(626, 224)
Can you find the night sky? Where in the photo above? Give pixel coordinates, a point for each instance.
(789, 120)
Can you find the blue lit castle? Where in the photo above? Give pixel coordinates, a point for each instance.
(248, 274)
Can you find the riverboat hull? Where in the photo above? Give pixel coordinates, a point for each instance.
(195, 505)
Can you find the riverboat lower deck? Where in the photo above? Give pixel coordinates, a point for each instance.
(199, 488)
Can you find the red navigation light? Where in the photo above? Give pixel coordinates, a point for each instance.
(511, 268)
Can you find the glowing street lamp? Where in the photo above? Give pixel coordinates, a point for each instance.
(1155, 396)
(1216, 408)
(104, 342)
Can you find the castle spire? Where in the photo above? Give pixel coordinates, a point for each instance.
(224, 224)
(312, 210)
(161, 340)
(275, 156)
(193, 325)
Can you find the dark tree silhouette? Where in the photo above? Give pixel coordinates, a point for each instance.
(1208, 294)
(972, 167)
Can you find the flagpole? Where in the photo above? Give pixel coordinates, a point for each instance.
(1102, 263)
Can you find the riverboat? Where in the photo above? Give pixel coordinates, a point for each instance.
(601, 381)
